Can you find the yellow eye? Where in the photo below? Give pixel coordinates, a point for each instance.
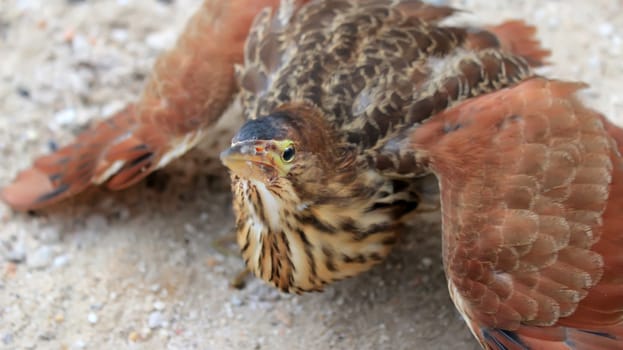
(288, 154)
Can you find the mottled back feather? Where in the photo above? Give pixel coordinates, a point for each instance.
(372, 67)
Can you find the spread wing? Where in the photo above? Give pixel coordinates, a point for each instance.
(189, 89)
(532, 199)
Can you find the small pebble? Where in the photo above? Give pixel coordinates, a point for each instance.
(228, 310)
(59, 318)
(160, 41)
(65, 117)
(9, 270)
(23, 91)
(119, 35)
(553, 22)
(605, 29)
(96, 223)
(112, 107)
(50, 235)
(92, 317)
(80, 45)
(236, 301)
(155, 320)
(52, 146)
(79, 344)
(47, 336)
(163, 333)
(159, 305)
(60, 261)
(594, 62)
(189, 228)
(31, 134)
(7, 338)
(134, 336)
(145, 332)
(41, 258)
(17, 253)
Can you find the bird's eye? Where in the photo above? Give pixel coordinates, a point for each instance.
(288, 154)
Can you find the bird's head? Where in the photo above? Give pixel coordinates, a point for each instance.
(290, 144)
(264, 149)
(299, 196)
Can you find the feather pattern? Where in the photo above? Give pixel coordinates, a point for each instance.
(530, 183)
(372, 67)
(349, 76)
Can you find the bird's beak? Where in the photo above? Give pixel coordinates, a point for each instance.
(251, 160)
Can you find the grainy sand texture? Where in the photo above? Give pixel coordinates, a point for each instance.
(149, 267)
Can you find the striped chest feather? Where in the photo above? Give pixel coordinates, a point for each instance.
(298, 246)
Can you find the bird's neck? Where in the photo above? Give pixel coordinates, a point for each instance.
(299, 245)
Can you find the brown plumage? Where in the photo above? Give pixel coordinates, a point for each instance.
(334, 80)
(532, 183)
(349, 104)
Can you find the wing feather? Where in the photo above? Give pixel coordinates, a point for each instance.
(531, 186)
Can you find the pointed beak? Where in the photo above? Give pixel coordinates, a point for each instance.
(250, 159)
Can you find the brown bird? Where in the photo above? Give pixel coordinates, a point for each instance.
(324, 173)
(324, 88)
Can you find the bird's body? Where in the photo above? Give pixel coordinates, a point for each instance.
(337, 95)
(339, 79)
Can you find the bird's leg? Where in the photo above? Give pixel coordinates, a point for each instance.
(189, 89)
(240, 280)
(427, 190)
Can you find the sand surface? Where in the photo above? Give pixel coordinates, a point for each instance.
(149, 268)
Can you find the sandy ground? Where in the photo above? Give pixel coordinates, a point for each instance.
(147, 268)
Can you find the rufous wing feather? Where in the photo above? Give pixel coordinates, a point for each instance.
(532, 206)
(513, 36)
(189, 89)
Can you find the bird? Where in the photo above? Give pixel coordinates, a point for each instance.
(323, 89)
(329, 166)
